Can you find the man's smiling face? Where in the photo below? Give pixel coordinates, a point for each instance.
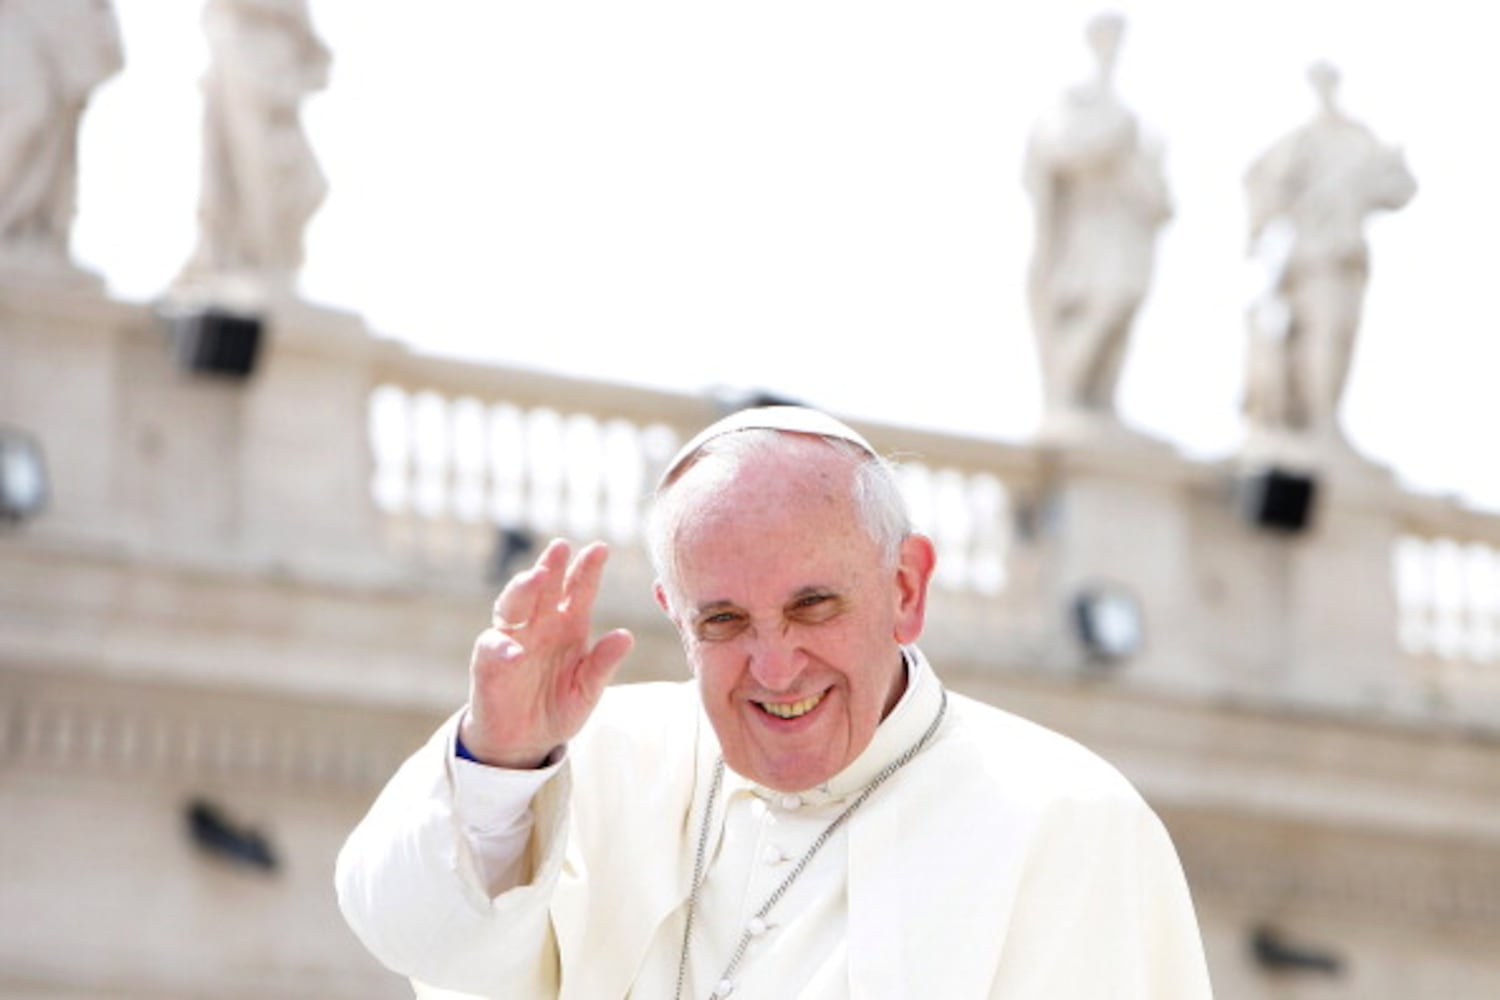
(791, 615)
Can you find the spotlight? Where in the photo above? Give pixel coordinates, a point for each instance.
(512, 547)
(216, 834)
(1277, 499)
(1273, 951)
(1109, 622)
(23, 475)
(216, 341)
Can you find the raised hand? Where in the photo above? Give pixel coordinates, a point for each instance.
(534, 677)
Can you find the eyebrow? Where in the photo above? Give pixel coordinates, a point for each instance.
(724, 604)
(712, 606)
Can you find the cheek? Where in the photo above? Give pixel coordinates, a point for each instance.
(713, 665)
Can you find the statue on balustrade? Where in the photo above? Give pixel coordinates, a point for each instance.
(1099, 198)
(1309, 196)
(261, 182)
(53, 55)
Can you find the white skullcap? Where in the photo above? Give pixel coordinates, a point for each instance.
(791, 419)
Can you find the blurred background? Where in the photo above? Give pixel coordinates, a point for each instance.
(765, 197)
(268, 447)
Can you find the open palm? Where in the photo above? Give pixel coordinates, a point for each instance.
(535, 676)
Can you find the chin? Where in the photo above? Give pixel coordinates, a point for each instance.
(796, 777)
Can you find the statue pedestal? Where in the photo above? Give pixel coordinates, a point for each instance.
(1086, 431)
(146, 456)
(1114, 514)
(1228, 608)
(60, 347)
(1330, 454)
(24, 270)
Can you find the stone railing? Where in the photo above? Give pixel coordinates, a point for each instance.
(471, 461)
(474, 465)
(1446, 574)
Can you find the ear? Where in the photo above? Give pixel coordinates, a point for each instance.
(913, 574)
(660, 593)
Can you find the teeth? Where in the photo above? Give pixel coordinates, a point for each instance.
(793, 710)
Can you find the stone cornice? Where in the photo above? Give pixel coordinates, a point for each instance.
(1254, 761)
(1275, 868)
(89, 728)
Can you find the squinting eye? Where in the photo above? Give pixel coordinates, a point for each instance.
(815, 608)
(717, 627)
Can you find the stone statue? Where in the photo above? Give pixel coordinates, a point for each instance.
(53, 54)
(1309, 196)
(261, 181)
(1099, 198)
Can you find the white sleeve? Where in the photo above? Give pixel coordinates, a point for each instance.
(493, 806)
(413, 888)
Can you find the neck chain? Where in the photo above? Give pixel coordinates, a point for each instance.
(757, 924)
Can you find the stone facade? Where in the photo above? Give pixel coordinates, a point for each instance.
(252, 597)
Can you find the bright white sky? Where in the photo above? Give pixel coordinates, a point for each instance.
(824, 199)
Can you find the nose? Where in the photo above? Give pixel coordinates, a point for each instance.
(776, 660)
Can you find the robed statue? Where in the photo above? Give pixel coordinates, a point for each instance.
(1099, 197)
(53, 55)
(261, 181)
(1309, 196)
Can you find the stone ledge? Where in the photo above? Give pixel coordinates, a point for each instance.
(1273, 866)
(85, 728)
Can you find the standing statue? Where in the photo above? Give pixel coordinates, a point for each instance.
(1099, 197)
(53, 54)
(1309, 195)
(261, 181)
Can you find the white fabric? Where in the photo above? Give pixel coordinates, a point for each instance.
(1005, 862)
(796, 419)
(494, 805)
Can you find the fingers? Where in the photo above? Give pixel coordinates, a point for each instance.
(600, 665)
(534, 676)
(516, 604)
(533, 590)
(550, 570)
(581, 585)
(557, 582)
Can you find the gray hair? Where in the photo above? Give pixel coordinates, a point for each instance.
(878, 502)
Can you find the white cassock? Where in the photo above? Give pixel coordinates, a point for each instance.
(1003, 861)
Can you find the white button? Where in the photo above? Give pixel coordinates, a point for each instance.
(791, 801)
(724, 988)
(774, 855)
(756, 927)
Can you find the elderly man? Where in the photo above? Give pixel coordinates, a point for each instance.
(813, 815)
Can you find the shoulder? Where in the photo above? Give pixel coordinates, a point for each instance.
(997, 753)
(641, 718)
(623, 704)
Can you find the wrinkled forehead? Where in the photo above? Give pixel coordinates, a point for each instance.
(788, 419)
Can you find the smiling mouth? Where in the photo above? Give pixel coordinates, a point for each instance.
(791, 710)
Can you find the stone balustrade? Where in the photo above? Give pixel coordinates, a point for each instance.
(464, 452)
(350, 459)
(472, 464)
(1445, 570)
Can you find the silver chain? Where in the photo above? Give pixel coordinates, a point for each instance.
(687, 930)
(792, 876)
